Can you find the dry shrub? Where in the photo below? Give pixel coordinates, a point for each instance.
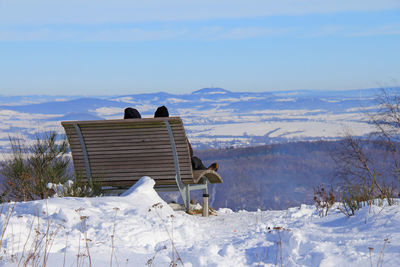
(324, 200)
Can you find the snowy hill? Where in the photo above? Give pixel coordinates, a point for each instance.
(140, 229)
(213, 117)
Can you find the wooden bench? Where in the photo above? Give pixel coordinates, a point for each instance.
(117, 153)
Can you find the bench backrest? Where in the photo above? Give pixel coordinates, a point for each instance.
(120, 152)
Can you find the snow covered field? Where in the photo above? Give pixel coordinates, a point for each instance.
(213, 117)
(140, 228)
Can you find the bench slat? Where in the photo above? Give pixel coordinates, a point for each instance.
(127, 160)
(116, 147)
(130, 127)
(127, 141)
(155, 169)
(136, 178)
(127, 163)
(165, 152)
(128, 136)
(148, 160)
(119, 121)
(130, 183)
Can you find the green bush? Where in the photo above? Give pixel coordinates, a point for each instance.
(30, 169)
(77, 188)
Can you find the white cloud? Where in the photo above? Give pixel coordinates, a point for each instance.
(387, 29)
(124, 11)
(203, 34)
(97, 21)
(355, 31)
(253, 32)
(136, 34)
(133, 34)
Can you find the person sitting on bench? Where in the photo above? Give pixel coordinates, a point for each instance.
(197, 164)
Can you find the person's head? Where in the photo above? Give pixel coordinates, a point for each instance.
(132, 113)
(161, 112)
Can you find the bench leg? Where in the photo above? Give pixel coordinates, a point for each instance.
(185, 194)
(187, 200)
(205, 205)
(205, 190)
(185, 191)
(205, 199)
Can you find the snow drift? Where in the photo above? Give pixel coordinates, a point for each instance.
(139, 228)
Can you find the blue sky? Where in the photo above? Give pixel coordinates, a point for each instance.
(122, 47)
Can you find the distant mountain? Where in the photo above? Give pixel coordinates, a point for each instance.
(31, 99)
(211, 91)
(82, 105)
(213, 117)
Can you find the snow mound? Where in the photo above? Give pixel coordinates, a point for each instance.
(143, 197)
(144, 185)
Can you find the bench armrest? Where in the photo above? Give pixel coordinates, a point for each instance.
(212, 176)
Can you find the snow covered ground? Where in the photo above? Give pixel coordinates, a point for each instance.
(213, 117)
(139, 228)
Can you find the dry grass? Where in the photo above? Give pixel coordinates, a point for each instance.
(112, 239)
(81, 256)
(278, 242)
(174, 259)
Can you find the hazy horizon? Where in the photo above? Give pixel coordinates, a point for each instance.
(189, 91)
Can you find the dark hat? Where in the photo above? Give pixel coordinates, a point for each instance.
(132, 113)
(161, 112)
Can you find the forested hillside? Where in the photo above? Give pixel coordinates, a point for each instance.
(276, 176)
(271, 176)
